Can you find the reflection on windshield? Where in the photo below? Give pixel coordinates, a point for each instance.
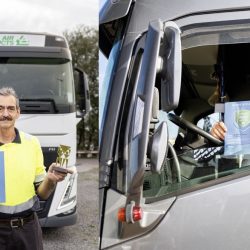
(40, 79)
(104, 93)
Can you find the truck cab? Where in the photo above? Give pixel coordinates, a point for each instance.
(165, 182)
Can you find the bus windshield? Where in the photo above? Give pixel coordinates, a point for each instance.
(40, 79)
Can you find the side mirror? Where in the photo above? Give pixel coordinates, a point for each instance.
(171, 67)
(82, 93)
(159, 147)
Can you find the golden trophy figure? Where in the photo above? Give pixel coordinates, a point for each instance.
(62, 159)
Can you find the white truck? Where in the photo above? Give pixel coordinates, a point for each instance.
(39, 67)
(164, 186)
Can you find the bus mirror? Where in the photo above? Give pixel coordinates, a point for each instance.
(82, 93)
(171, 67)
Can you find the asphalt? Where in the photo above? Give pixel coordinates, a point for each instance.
(84, 234)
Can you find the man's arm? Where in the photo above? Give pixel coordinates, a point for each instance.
(219, 130)
(49, 183)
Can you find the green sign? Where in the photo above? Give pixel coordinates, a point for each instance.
(22, 40)
(11, 40)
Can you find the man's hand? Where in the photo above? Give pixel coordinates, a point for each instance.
(48, 185)
(219, 130)
(55, 175)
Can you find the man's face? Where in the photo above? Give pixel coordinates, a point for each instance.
(8, 111)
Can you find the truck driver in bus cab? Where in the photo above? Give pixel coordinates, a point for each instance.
(236, 74)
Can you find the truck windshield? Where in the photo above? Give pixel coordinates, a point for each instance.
(40, 82)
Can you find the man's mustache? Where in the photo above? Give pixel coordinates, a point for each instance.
(6, 118)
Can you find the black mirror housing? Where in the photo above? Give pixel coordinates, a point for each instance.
(82, 93)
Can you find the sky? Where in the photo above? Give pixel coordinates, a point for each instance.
(51, 16)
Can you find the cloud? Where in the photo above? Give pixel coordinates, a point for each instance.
(47, 16)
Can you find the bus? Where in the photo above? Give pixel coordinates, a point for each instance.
(165, 182)
(39, 67)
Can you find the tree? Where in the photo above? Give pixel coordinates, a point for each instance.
(83, 43)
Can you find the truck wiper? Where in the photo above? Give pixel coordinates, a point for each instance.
(38, 105)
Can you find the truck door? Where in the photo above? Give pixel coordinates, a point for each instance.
(141, 145)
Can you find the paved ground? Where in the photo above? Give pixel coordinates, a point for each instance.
(83, 235)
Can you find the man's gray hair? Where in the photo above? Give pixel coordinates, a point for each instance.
(7, 91)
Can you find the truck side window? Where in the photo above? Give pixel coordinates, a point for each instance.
(197, 163)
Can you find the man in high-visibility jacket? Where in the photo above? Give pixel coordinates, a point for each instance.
(22, 178)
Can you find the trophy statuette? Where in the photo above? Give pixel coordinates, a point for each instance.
(62, 159)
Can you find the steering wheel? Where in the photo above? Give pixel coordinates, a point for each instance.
(184, 124)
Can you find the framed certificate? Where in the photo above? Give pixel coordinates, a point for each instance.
(237, 121)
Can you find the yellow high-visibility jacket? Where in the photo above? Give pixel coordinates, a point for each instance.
(23, 164)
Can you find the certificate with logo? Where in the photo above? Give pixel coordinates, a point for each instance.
(2, 178)
(237, 121)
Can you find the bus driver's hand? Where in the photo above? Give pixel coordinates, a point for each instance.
(219, 130)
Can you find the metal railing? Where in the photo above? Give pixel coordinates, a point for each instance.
(87, 153)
